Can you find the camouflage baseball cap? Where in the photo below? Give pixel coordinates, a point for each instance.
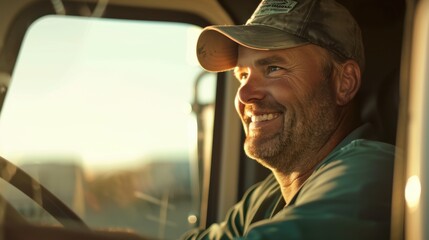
(281, 24)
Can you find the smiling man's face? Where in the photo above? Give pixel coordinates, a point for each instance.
(286, 103)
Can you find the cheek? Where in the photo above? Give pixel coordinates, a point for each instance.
(295, 97)
(286, 92)
(306, 89)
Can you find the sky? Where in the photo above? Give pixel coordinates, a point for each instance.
(107, 92)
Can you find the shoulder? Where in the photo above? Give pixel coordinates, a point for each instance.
(366, 147)
(362, 168)
(363, 148)
(360, 156)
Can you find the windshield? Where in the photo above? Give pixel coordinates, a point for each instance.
(102, 113)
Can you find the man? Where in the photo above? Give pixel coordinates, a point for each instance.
(299, 64)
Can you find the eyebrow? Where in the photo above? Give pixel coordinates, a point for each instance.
(270, 60)
(263, 62)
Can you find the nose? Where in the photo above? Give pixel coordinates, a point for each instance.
(251, 90)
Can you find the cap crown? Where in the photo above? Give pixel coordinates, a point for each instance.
(322, 22)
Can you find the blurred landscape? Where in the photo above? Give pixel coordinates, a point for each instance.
(154, 199)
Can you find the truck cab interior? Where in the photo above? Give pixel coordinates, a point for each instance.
(109, 124)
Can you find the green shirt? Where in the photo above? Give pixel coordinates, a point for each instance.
(348, 196)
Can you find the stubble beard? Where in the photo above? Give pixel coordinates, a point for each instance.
(298, 139)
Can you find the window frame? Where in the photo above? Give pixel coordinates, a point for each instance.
(221, 191)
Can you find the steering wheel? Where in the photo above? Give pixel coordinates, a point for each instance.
(39, 194)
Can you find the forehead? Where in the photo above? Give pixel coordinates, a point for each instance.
(252, 57)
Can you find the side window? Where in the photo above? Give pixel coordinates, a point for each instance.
(114, 118)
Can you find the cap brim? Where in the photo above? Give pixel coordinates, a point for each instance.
(217, 46)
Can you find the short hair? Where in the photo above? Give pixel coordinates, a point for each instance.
(330, 60)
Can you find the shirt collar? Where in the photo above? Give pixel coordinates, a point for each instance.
(363, 131)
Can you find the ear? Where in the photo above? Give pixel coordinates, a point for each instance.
(348, 82)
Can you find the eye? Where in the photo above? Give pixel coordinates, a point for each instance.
(274, 71)
(273, 68)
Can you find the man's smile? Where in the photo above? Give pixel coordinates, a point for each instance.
(259, 121)
(263, 117)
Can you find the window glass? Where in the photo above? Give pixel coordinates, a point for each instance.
(25, 206)
(110, 116)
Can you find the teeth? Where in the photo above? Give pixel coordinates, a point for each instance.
(264, 117)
